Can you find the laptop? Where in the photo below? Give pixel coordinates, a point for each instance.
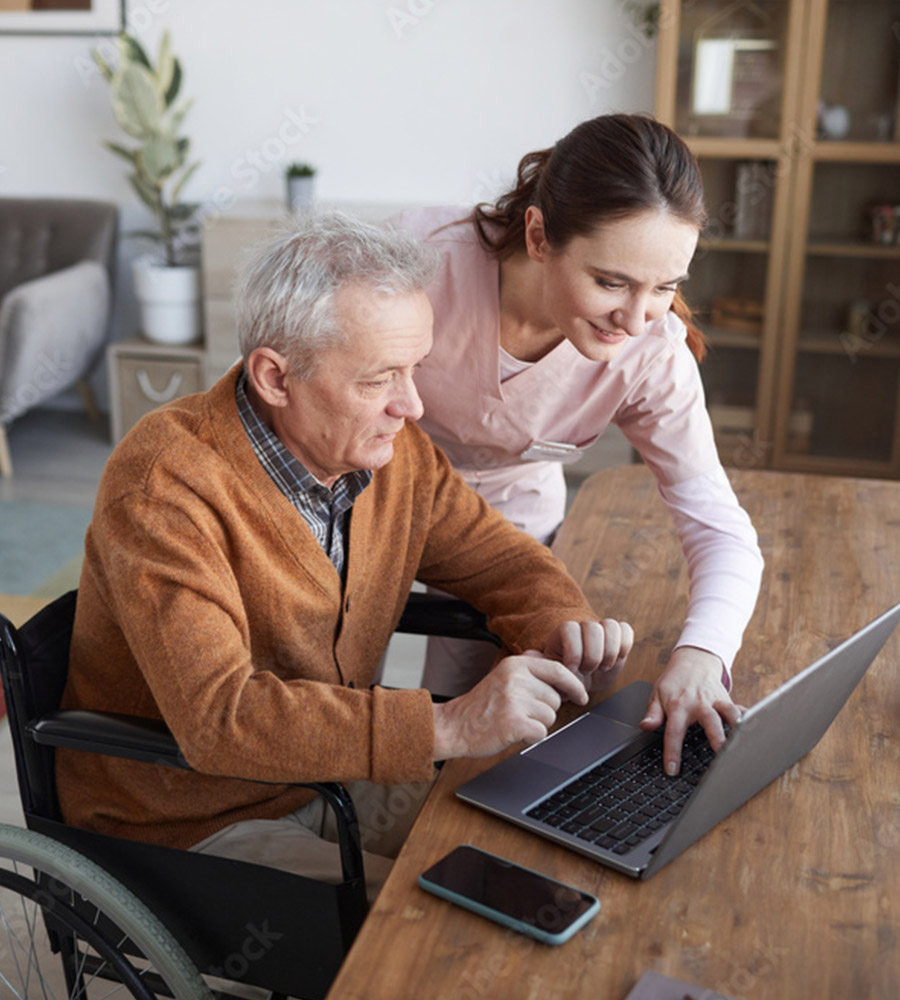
(597, 784)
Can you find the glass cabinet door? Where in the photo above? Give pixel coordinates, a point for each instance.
(730, 72)
(860, 63)
(846, 364)
(728, 291)
(791, 108)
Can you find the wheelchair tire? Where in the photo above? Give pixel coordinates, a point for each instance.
(44, 882)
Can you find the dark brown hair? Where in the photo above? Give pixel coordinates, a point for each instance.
(606, 168)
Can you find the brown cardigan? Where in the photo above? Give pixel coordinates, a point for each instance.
(205, 600)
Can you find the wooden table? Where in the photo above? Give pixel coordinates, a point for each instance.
(795, 895)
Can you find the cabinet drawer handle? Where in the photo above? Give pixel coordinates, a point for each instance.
(170, 391)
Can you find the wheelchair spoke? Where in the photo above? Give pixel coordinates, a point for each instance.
(17, 949)
(27, 951)
(102, 975)
(69, 931)
(33, 960)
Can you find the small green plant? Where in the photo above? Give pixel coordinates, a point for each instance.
(144, 103)
(299, 170)
(646, 16)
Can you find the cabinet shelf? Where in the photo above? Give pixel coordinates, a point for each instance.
(852, 248)
(856, 152)
(731, 244)
(840, 343)
(714, 147)
(717, 337)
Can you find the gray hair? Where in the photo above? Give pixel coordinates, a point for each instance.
(285, 291)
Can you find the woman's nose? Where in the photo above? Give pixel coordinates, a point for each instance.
(631, 319)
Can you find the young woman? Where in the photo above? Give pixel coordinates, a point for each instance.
(558, 312)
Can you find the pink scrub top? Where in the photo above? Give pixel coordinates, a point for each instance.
(506, 434)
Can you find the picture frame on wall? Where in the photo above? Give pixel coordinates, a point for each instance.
(61, 17)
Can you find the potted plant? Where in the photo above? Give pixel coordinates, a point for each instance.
(144, 97)
(300, 185)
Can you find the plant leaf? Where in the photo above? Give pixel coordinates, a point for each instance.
(182, 211)
(102, 65)
(132, 51)
(175, 83)
(179, 113)
(158, 158)
(148, 195)
(165, 65)
(136, 102)
(128, 154)
(185, 177)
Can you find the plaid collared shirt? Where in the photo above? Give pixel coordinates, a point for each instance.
(326, 511)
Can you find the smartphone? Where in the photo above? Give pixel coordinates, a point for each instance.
(509, 894)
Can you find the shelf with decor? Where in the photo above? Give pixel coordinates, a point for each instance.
(791, 109)
(841, 348)
(727, 79)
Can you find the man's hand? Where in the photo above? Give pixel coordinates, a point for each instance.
(595, 652)
(690, 690)
(516, 702)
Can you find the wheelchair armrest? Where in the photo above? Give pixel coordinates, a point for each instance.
(151, 742)
(434, 614)
(109, 733)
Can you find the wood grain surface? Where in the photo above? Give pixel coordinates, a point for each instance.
(797, 893)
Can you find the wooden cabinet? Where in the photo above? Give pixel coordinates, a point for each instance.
(791, 109)
(144, 375)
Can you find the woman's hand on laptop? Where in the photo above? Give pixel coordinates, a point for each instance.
(594, 651)
(689, 690)
(516, 702)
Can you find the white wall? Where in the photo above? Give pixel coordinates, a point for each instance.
(401, 101)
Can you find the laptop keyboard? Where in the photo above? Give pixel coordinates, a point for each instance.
(620, 803)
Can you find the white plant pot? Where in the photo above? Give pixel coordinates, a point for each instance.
(169, 300)
(301, 191)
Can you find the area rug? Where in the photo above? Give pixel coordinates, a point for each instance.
(38, 541)
(41, 550)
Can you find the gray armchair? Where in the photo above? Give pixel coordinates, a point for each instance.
(57, 271)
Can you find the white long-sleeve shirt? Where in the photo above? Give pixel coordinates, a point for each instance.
(488, 411)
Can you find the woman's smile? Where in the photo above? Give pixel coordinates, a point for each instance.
(606, 336)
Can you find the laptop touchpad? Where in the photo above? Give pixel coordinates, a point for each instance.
(582, 742)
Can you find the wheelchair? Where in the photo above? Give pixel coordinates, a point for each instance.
(85, 915)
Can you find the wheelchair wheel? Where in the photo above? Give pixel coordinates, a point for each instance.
(70, 930)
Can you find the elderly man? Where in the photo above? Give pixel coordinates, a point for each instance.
(251, 551)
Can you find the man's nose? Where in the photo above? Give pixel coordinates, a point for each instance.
(407, 403)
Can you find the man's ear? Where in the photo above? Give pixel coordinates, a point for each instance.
(267, 371)
(535, 237)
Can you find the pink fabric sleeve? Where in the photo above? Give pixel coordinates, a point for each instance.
(724, 562)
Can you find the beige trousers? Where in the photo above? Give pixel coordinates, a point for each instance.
(305, 842)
